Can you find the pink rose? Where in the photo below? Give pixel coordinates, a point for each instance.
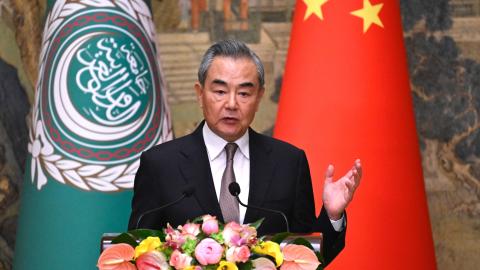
(208, 251)
(238, 254)
(179, 260)
(248, 235)
(209, 225)
(190, 230)
(237, 235)
(231, 234)
(173, 237)
(152, 260)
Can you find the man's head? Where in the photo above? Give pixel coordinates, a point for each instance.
(229, 88)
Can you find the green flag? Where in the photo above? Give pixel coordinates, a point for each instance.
(100, 101)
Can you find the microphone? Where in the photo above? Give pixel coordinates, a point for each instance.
(234, 189)
(187, 191)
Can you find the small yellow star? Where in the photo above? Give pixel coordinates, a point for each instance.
(314, 7)
(369, 14)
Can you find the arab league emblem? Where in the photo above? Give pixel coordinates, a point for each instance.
(100, 97)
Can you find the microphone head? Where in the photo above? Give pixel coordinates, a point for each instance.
(188, 190)
(234, 189)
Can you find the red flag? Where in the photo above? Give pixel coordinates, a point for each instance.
(345, 96)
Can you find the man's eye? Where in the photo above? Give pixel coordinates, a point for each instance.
(220, 92)
(244, 94)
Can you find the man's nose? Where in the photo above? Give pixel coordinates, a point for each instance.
(232, 100)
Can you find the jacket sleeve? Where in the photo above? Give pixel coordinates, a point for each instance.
(333, 241)
(141, 193)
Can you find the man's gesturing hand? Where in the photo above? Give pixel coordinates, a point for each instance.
(338, 194)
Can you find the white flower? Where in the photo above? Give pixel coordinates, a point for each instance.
(38, 147)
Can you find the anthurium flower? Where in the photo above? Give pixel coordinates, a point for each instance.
(148, 244)
(117, 257)
(152, 260)
(298, 257)
(271, 249)
(224, 265)
(263, 264)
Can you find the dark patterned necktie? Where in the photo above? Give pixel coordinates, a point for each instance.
(228, 203)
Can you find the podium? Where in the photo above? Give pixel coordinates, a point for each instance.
(315, 239)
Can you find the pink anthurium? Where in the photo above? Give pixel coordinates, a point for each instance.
(298, 257)
(117, 257)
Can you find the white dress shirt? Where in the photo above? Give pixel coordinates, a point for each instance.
(241, 167)
(218, 160)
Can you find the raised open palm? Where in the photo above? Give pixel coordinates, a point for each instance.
(338, 194)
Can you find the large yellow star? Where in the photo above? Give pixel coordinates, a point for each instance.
(369, 14)
(314, 7)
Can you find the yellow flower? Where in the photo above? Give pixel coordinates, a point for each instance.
(148, 244)
(224, 265)
(271, 249)
(190, 267)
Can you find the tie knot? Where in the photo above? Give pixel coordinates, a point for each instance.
(230, 149)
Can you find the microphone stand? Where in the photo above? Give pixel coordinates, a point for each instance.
(234, 189)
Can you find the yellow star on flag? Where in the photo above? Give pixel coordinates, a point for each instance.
(369, 14)
(314, 7)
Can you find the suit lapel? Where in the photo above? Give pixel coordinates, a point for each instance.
(196, 169)
(261, 170)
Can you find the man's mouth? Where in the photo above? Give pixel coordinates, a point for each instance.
(230, 120)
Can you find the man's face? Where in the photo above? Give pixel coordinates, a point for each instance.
(230, 97)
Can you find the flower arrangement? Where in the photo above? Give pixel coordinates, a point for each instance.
(206, 244)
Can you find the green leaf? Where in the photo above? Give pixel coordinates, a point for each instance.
(320, 258)
(211, 267)
(141, 234)
(197, 220)
(245, 266)
(303, 242)
(218, 237)
(201, 236)
(257, 223)
(254, 256)
(279, 237)
(167, 251)
(189, 246)
(125, 238)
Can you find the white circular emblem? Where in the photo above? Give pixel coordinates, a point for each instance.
(99, 100)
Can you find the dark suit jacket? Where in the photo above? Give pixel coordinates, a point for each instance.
(279, 179)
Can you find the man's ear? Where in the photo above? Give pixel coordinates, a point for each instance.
(261, 91)
(199, 92)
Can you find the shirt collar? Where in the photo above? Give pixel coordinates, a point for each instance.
(215, 144)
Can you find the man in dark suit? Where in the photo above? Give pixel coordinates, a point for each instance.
(271, 173)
